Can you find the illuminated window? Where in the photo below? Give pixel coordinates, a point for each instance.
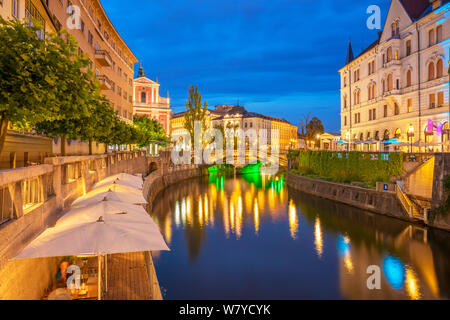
(15, 8)
(431, 71)
(409, 104)
(432, 101)
(439, 68)
(440, 99)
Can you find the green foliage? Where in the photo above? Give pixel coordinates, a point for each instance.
(348, 167)
(47, 86)
(150, 131)
(195, 111)
(444, 209)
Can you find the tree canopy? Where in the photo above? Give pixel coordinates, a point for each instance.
(195, 111)
(47, 86)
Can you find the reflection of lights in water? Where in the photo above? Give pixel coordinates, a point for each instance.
(200, 210)
(318, 237)
(183, 211)
(232, 216)
(412, 285)
(394, 271)
(239, 218)
(168, 229)
(256, 216)
(293, 221)
(188, 211)
(177, 214)
(348, 262)
(207, 211)
(343, 246)
(226, 222)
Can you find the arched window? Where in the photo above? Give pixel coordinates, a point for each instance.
(389, 54)
(386, 135)
(377, 135)
(396, 109)
(373, 91)
(369, 91)
(431, 71)
(439, 68)
(408, 78)
(390, 82)
(345, 102)
(143, 97)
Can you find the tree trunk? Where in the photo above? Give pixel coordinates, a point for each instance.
(90, 147)
(63, 146)
(3, 130)
(106, 148)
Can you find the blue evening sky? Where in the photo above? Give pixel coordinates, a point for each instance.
(278, 57)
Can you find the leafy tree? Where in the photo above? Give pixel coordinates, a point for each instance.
(150, 131)
(313, 128)
(43, 82)
(195, 111)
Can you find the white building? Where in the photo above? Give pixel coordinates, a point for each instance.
(398, 87)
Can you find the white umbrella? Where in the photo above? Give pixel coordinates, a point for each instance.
(117, 188)
(103, 208)
(95, 196)
(132, 184)
(124, 177)
(108, 234)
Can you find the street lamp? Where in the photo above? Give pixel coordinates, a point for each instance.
(348, 141)
(318, 141)
(411, 135)
(448, 130)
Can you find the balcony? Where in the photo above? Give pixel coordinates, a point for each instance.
(103, 58)
(105, 83)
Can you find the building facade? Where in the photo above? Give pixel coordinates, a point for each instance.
(147, 101)
(239, 118)
(398, 87)
(111, 59)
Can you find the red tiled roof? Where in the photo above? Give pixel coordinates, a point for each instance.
(415, 8)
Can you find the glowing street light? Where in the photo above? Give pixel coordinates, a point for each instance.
(411, 135)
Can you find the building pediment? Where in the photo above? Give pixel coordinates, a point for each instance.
(145, 80)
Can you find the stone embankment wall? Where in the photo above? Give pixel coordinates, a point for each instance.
(162, 178)
(385, 203)
(441, 171)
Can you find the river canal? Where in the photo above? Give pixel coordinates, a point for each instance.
(249, 237)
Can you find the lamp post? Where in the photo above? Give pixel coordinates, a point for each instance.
(410, 136)
(318, 141)
(448, 130)
(348, 141)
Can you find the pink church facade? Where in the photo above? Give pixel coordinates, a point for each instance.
(147, 101)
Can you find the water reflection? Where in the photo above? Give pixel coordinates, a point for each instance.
(228, 234)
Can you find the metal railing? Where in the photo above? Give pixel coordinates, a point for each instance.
(407, 204)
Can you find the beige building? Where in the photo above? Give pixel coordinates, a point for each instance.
(239, 118)
(398, 86)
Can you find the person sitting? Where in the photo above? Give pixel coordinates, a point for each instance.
(60, 292)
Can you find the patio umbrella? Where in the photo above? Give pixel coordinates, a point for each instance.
(342, 142)
(95, 196)
(124, 177)
(118, 181)
(107, 234)
(421, 144)
(394, 141)
(117, 188)
(103, 208)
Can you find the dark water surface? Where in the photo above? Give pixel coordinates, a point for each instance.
(255, 238)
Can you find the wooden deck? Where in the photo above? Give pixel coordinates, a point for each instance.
(131, 276)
